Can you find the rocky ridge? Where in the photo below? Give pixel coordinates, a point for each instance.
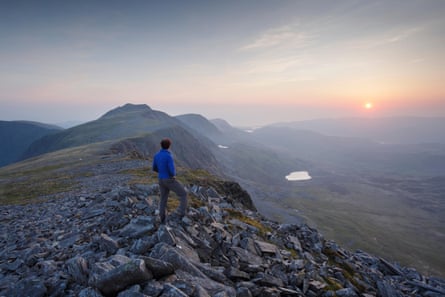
(110, 243)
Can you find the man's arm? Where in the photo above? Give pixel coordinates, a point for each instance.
(171, 167)
(155, 165)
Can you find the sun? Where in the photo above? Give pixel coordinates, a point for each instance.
(368, 105)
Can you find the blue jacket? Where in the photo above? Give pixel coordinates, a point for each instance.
(163, 164)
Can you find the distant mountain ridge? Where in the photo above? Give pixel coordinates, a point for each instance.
(16, 136)
(404, 130)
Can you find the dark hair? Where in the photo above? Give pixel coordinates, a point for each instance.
(165, 143)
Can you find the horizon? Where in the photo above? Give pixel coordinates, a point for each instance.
(72, 123)
(248, 62)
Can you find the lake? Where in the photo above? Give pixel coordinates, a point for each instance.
(298, 176)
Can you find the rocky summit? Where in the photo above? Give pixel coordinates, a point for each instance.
(110, 243)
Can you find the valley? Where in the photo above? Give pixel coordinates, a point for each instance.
(389, 221)
(383, 199)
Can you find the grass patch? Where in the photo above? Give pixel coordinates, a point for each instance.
(32, 189)
(193, 201)
(30, 172)
(240, 216)
(196, 176)
(142, 175)
(293, 253)
(333, 284)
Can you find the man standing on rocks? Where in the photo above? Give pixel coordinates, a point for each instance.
(164, 165)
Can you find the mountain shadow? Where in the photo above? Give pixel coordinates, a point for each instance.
(16, 137)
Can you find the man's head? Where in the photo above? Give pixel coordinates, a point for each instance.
(165, 143)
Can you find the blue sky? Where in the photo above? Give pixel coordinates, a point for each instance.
(249, 62)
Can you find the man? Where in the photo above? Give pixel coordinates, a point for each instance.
(164, 165)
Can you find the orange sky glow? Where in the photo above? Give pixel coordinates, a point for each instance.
(283, 61)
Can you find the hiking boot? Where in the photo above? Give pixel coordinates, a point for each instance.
(175, 217)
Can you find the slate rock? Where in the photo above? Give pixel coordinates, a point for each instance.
(346, 292)
(133, 272)
(108, 244)
(77, 269)
(247, 257)
(89, 292)
(158, 267)
(265, 247)
(133, 291)
(29, 287)
(153, 288)
(236, 274)
(137, 229)
(243, 292)
(166, 236)
(268, 280)
(172, 291)
(213, 272)
(142, 246)
(249, 245)
(169, 254)
(200, 292)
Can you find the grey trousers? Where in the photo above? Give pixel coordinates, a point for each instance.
(165, 186)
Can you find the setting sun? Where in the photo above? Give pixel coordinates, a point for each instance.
(368, 105)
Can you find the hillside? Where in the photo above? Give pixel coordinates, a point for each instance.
(200, 124)
(93, 231)
(127, 121)
(16, 137)
(366, 195)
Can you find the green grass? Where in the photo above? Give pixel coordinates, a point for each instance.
(33, 179)
(29, 189)
(235, 214)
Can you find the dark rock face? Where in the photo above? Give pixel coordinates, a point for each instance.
(110, 243)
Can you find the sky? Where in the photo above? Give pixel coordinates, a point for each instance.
(250, 62)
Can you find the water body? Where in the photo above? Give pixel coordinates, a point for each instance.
(298, 176)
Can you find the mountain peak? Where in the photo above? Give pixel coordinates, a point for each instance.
(199, 123)
(127, 108)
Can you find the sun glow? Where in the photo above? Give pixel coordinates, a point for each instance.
(368, 105)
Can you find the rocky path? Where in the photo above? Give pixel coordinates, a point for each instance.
(106, 241)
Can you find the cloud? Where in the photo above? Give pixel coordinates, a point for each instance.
(287, 36)
(391, 37)
(399, 36)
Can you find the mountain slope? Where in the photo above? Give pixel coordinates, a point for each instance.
(370, 196)
(231, 133)
(187, 149)
(200, 124)
(126, 121)
(17, 136)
